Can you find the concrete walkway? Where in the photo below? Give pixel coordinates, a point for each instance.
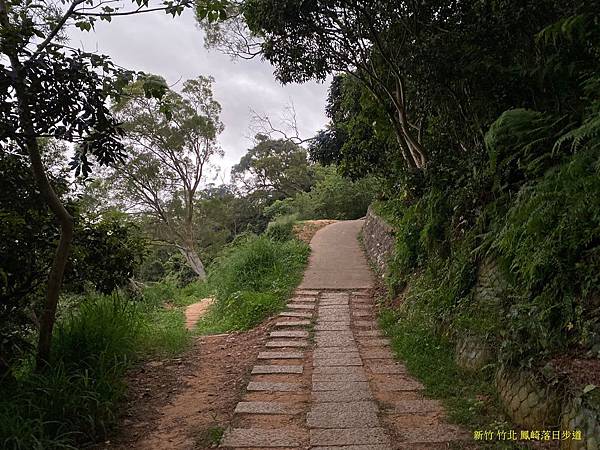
(336, 259)
(327, 378)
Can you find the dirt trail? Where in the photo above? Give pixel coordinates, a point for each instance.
(321, 376)
(184, 403)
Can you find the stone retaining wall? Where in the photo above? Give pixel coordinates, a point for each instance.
(530, 403)
(379, 241)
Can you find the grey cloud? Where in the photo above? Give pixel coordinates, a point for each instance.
(174, 48)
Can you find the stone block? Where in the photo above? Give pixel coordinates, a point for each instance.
(264, 438)
(339, 377)
(341, 396)
(302, 306)
(265, 408)
(301, 314)
(280, 355)
(287, 343)
(343, 415)
(276, 368)
(289, 334)
(348, 436)
(274, 387)
(293, 323)
(339, 386)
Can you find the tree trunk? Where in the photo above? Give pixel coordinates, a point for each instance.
(193, 260)
(65, 221)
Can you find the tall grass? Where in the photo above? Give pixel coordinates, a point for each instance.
(76, 400)
(252, 280)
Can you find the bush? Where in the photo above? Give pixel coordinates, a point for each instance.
(251, 280)
(281, 229)
(332, 197)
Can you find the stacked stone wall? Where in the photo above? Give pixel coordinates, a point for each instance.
(379, 241)
(529, 402)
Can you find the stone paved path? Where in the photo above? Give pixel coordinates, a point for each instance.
(327, 378)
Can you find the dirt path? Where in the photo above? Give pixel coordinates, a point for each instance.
(186, 402)
(326, 377)
(321, 375)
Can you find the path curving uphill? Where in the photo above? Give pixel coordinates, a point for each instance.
(327, 378)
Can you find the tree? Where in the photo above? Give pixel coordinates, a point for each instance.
(49, 90)
(171, 142)
(364, 39)
(274, 169)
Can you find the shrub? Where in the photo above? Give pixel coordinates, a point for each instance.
(282, 228)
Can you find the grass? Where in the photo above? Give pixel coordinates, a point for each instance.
(76, 400)
(469, 397)
(251, 281)
(97, 338)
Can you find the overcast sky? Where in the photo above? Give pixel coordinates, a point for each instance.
(174, 48)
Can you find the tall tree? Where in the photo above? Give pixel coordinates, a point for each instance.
(171, 142)
(274, 169)
(49, 90)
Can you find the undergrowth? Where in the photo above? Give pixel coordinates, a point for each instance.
(252, 280)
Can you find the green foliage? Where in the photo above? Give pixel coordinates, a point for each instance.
(106, 253)
(550, 239)
(281, 229)
(331, 197)
(252, 280)
(101, 327)
(431, 359)
(274, 169)
(76, 401)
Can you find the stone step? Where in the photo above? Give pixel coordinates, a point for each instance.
(324, 352)
(340, 386)
(341, 396)
(335, 295)
(286, 343)
(276, 368)
(264, 438)
(301, 314)
(300, 306)
(348, 436)
(343, 415)
(274, 387)
(339, 377)
(266, 408)
(289, 334)
(332, 326)
(338, 361)
(280, 355)
(293, 323)
(303, 299)
(338, 369)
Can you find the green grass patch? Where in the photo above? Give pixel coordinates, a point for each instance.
(469, 397)
(76, 400)
(252, 280)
